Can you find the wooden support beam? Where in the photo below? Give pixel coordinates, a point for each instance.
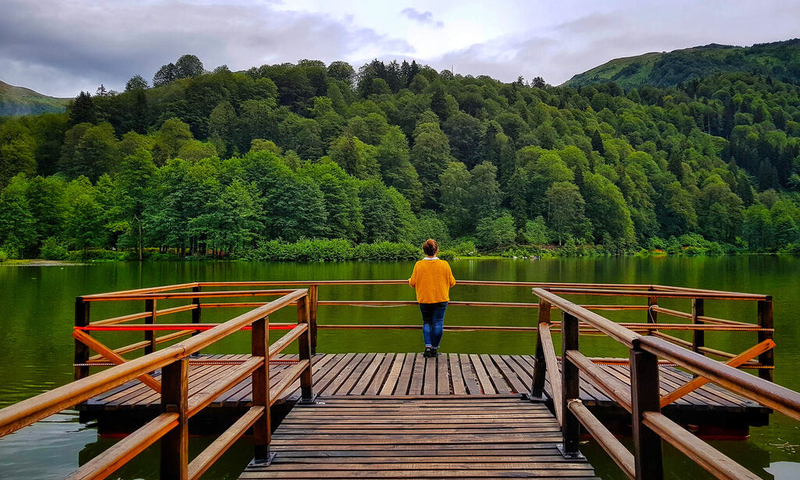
(111, 356)
(262, 428)
(304, 349)
(699, 336)
(81, 350)
(313, 300)
(570, 375)
(645, 398)
(552, 368)
(700, 381)
(150, 335)
(175, 399)
(765, 321)
(540, 365)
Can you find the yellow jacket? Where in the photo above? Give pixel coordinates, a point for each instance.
(432, 279)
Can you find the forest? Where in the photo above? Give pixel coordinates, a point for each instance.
(326, 162)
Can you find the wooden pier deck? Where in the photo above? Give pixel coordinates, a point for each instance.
(346, 437)
(409, 374)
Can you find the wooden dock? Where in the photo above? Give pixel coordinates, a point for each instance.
(400, 415)
(408, 375)
(452, 436)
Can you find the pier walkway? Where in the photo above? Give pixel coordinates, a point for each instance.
(425, 437)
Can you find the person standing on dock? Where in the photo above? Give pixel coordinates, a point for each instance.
(432, 279)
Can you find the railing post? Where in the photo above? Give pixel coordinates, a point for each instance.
(262, 429)
(150, 335)
(652, 316)
(175, 399)
(765, 321)
(81, 350)
(539, 363)
(645, 398)
(196, 311)
(304, 348)
(570, 378)
(313, 298)
(699, 336)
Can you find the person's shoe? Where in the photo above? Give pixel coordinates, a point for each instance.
(429, 352)
(435, 352)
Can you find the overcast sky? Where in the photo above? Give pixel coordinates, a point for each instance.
(61, 47)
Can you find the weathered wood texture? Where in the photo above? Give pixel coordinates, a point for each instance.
(447, 437)
(409, 374)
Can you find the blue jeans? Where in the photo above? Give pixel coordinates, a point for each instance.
(432, 322)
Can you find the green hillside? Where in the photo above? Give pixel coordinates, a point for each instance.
(315, 161)
(780, 60)
(16, 101)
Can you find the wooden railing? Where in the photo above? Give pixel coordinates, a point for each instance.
(642, 397)
(199, 296)
(171, 426)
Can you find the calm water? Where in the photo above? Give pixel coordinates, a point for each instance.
(36, 308)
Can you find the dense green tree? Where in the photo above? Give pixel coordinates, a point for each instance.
(565, 211)
(393, 156)
(17, 224)
(430, 155)
(493, 233)
(137, 82)
(607, 209)
(188, 66)
(355, 157)
(17, 152)
(340, 192)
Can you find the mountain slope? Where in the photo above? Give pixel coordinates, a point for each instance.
(24, 101)
(780, 60)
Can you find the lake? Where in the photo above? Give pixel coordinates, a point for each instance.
(36, 319)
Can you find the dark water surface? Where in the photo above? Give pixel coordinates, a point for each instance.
(36, 317)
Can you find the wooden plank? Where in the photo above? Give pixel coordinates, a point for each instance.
(442, 375)
(486, 383)
(469, 375)
(417, 377)
(394, 374)
(500, 385)
(405, 375)
(366, 377)
(429, 384)
(456, 375)
(350, 381)
(380, 377)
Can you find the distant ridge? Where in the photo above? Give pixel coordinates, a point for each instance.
(15, 101)
(780, 60)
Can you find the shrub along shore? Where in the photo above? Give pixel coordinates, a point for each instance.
(325, 250)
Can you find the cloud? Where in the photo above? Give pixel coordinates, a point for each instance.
(425, 18)
(59, 48)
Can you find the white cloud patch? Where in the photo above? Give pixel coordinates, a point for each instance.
(425, 18)
(59, 48)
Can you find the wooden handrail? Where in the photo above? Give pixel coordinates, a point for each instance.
(617, 332)
(175, 295)
(649, 425)
(711, 459)
(103, 465)
(28, 411)
(615, 449)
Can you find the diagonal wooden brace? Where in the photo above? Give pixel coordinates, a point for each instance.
(113, 357)
(698, 382)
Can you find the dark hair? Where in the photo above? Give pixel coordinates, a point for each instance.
(430, 247)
